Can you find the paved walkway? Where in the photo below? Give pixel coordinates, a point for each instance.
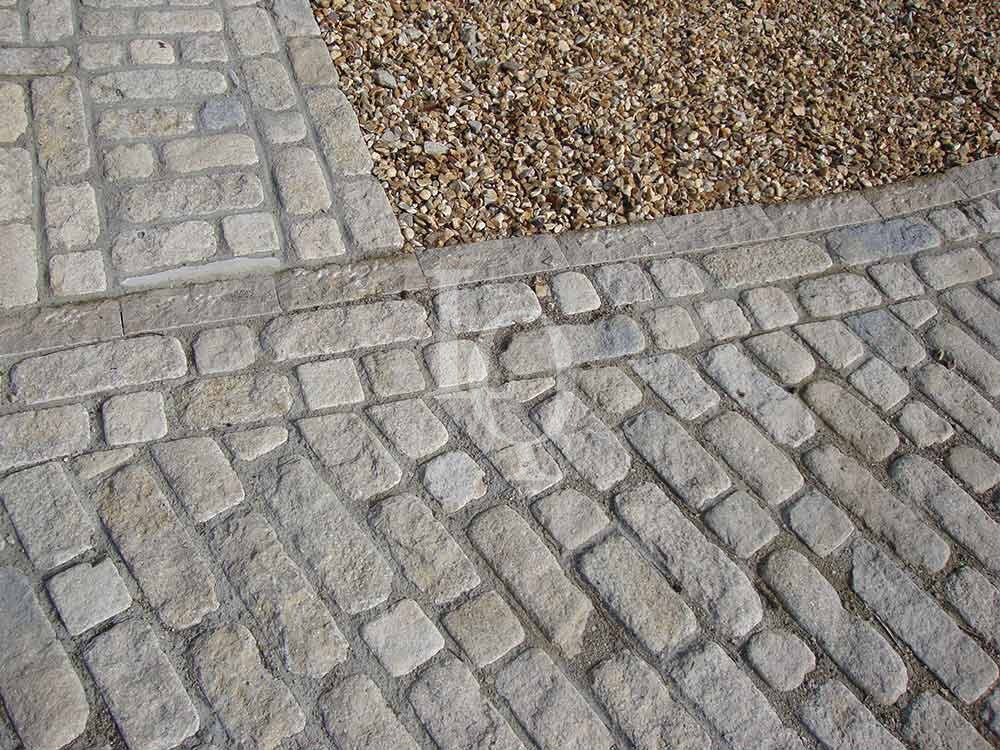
(726, 480)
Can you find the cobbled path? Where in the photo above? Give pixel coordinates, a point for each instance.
(726, 480)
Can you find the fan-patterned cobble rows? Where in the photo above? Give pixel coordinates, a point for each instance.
(742, 498)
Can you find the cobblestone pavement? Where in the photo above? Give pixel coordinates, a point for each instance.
(144, 142)
(726, 483)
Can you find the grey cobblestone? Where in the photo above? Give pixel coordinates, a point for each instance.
(234, 399)
(175, 578)
(677, 277)
(60, 127)
(87, 595)
(403, 638)
(879, 383)
(15, 184)
(973, 467)
(549, 706)
(574, 293)
(623, 284)
(642, 706)
(837, 719)
(918, 621)
(672, 327)
(152, 711)
(71, 218)
(353, 571)
(485, 628)
(723, 319)
(301, 184)
(977, 312)
(41, 692)
(187, 196)
(856, 647)
(200, 476)
(410, 426)
(709, 578)
(635, 592)
(225, 659)
(915, 313)
(533, 575)
(454, 480)
(837, 294)
(976, 600)
(869, 242)
(448, 701)
(932, 723)
(923, 425)
(819, 523)
(339, 132)
(147, 249)
(961, 402)
(358, 462)
(486, 307)
(678, 384)
(783, 355)
(355, 714)
(741, 524)
(833, 341)
(886, 335)
(610, 388)
(896, 280)
(570, 517)
(134, 418)
(278, 595)
(18, 252)
(780, 658)
(34, 436)
(852, 420)
(771, 308)
(767, 263)
(971, 359)
(562, 346)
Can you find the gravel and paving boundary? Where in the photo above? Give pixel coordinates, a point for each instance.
(490, 119)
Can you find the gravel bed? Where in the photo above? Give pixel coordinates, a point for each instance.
(494, 119)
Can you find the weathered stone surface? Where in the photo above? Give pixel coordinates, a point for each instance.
(149, 704)
(610, 388)
(234, 399)
(301, 184)
(973, 467)
(677, 457)
(134, 418)
(781, 415)
(732, 704)
(971, 359)
(837, 294)
(723, 319)
(677, 383)
(339, 133)
(637, 595)
(485, 261)
(932, 724)
(961, 402)
(949, 269)
(98, 367)
(367, 215)
(623, 284)
(423, 548)
(209, 152)
(821, 212)
(455, 363)
(554, 714)
(789, 360)
(224, 349)
(570, 517)
(356, 715)
(486, 307)
(71, 216)
(574, 293)
(41, 693)
(250, 445)
(35, 436)
(770, 307)
(331, 382)
(171, 572)
(485, 628)
(13, 117)
(863, 244)
(47, 515)
(144, 122)
(278, 595)
(202, 304)
(833, 341)
(308, 511)
(343, 329)
(879, 383)
(403, 638)
(151, 52)
(819, 523)
(583, 439)
(672, 327)
(322, 237)
(226, 661)
(86, 595)
(410, 426)
(768, 471)
(359, 463)
(859, 492)
(641, 706)
(977, 312)
(18, 248)
(852, 420)
(976, 600)
(896, 280)
(705, 575)
(311, 62)
(533, 575)
(96, 464)
(964, 668)
(854, 645)
(677, 277)
(927, 485)
(60, 127)
(767, 263)
(882, 331)
(562, 346)
(527, 467)
(741, 524)
(837, 719)
(15, 184)
(454, 479)
(200, 475)
(184, 197)
(780, 658)
(393, 372)
(138, 85)
(457, 716)
(77, 273)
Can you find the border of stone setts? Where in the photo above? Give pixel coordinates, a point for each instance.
(36, 329)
